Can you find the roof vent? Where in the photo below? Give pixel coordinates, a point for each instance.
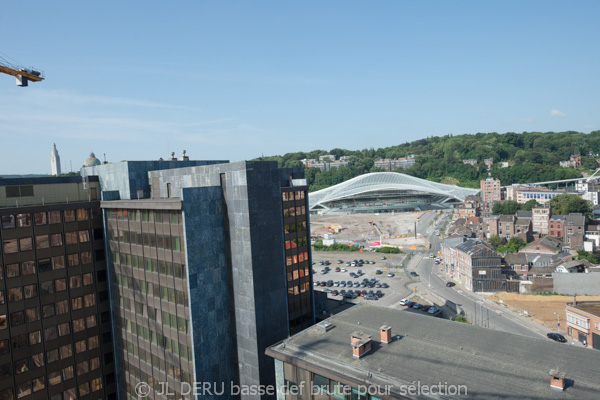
(325, 326)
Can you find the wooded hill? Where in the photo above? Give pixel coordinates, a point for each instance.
(532, 156)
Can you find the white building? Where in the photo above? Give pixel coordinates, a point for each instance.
(55, 161)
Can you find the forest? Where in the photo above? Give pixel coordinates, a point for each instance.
(532, 157)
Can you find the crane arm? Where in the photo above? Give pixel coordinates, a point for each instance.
(26, 74)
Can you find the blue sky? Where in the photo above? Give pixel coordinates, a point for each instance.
(233, 80)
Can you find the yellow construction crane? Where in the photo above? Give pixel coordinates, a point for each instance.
(23, 74)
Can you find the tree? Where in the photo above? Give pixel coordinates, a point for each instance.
(567, 203)
(594, 258)
(513, 246)
(496, 241)
(529, 205)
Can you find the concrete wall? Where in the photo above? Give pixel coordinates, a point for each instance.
(577, 284)
(50, 191)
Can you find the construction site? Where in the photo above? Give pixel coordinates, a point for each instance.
(396, 229)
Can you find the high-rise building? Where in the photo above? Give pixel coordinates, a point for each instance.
(55, 161)
(209, 265)
(55, 324)
(491, 189)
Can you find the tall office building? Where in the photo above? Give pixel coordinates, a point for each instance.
(209, 265)
(55, 324)
(55, 161)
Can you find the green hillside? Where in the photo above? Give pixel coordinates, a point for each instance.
(533, 157)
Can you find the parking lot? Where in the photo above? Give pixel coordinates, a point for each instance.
(369, 278)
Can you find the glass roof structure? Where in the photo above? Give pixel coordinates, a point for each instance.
(386, 191)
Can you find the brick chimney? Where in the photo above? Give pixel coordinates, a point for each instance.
(386, 333)
(361, 344)
(557, 379)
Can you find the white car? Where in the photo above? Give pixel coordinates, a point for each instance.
(343, 270)
(403, 302)
(432, 310)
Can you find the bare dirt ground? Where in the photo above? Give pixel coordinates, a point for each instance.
(541, 308)
(368, 227)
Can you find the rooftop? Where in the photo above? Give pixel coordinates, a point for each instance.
(492, 364)
(590, 307)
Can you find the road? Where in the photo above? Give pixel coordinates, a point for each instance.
(480, 311)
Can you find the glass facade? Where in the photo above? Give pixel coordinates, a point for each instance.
(150, 295)
(297, 260)
(55, 332)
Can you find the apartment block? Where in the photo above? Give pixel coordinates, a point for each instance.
(210, 265)
(491, 190)
(55, 319)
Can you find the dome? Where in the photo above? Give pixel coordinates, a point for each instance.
(91, 161)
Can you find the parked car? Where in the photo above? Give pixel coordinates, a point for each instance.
(336, 283)
(403, 302)
(316, 283)
(385, 285)
(390, 275)
(417, 306)
(337, 269)
(557, 337)
(349, 295)
(379, 293)
(413, 273)
(410, 304)
(334, 292)
(378, 272)
(370, 297)
(433, 310)
(450, 284)
(383, 257)
(340, 261)
(343, 270)
(426, 307)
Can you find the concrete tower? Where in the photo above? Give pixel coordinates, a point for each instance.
(55, 160)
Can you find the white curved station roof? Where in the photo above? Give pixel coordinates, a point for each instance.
(386, 181)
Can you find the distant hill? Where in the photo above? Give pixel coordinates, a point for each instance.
(21, 176)
(532, 157)
(36, 175)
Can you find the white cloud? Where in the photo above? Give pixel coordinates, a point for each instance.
(557, 113)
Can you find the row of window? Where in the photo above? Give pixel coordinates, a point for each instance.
(46, 264)
(37, 361)
(287, 196)
(145, 216)
(298, 273)
(152, 289)
(149, 264)
(578, 321)
(155, 384)
(11, 246)
(296, 258)
(294, 211)
(44, 218)
(295, 227)
(157, 362)
(166, 242)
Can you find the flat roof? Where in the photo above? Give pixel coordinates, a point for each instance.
(590, 307)
(492, 364)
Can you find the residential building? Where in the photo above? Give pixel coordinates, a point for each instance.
(488, 163)
(55, 161)
(371, 353)
(478, 267)
(490, 189)
(506, 226)
(465, 210)
(56, 337)
(545, 245)
(541, 219)
(210, 264)
(491, 225)
(583, 321)
(395, 163)
(470, 161)
(574, 231)
(555, 226)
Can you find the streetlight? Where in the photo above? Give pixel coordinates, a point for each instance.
(557, 322)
